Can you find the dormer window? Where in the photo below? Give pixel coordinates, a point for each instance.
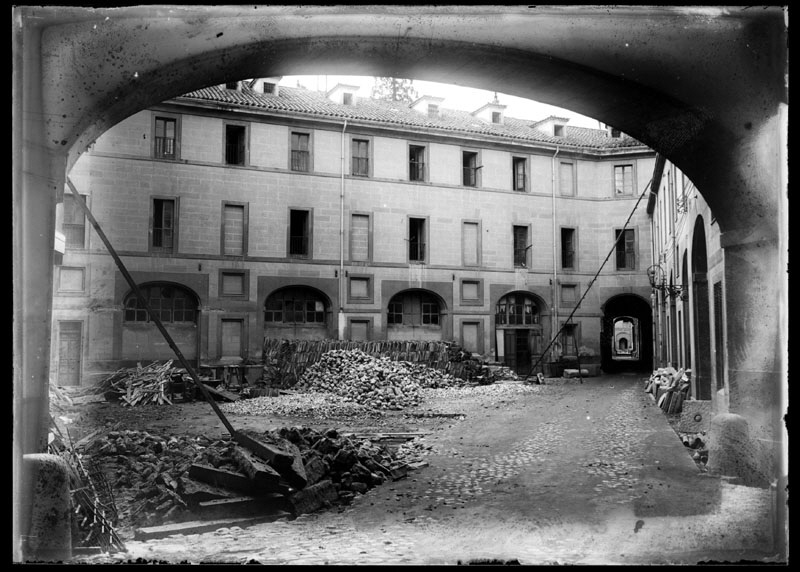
(347, 99)
(232, 85)
(615, 133)
(342, 94)
(558, 130)
(433, 110)
(496, 117)
(268, 88)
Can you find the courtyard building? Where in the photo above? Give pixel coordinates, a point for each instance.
(251, 210)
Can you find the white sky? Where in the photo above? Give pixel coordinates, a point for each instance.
(456, 97)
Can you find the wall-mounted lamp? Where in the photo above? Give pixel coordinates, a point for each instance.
(658, 281)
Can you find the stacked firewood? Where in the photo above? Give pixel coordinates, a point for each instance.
(669, 387)
(139, 385)
(378, 383)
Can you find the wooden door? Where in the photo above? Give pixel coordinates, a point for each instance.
(69, 353)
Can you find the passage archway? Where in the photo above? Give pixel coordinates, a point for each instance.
(78, 72)
(626, 339)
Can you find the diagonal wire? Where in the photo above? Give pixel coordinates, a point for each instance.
(610, 252)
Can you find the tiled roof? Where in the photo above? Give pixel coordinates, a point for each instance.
(379, 112)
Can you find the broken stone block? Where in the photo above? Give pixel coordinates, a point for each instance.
(344, 459)
(325, 446)
(313, 498)
(359, 487)
(315, 469)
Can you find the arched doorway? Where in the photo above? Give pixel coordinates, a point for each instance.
(297, 312)
(701, 369)
(415, 315)
(518, 331)
(177, 307)
(626, 339)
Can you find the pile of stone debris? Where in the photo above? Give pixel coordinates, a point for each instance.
(159, 480)
(375, 382)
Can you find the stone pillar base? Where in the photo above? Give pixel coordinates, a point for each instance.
(50, 536)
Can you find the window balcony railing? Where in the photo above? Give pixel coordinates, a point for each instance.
(298, 246)
(416, 251)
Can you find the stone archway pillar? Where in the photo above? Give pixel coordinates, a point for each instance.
(38, 179)
(755, 381)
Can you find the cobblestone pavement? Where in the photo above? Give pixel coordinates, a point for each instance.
(565, 473)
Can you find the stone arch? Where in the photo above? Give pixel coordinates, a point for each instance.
(701, 314)
(179, 311)
(416, 314)
(297, 311)
(632, 307)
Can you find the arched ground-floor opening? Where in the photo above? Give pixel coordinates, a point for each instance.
(519, 339)
(626, 337)
(415, 314)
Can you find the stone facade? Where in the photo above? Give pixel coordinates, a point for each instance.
(468, 267)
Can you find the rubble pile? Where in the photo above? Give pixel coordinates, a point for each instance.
(303, 405)
(158, 480)
(669, 387)
(378, 383)
(285, 361)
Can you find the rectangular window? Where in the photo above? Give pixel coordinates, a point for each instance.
(519, 173)
(359, 238)
(416, 239)
(626, 249)
(470, 244)
(234, 229)
(430, 313)
(360, 287)
(360, 157)
(71, 279)
(569, 340)
(416, 163)
(566, 179)
(433, 110)
(299, 233)
(469, 164)
(235, 136)
(164, 224)
(232, 283)
(359, 330)
(347, 99)
(395, 315)
(568, 248)
(231, 338)
(558, 130)
(301, 152)
(74, 222)
(520, 246)
(569, 294)
(470, 290)
(165, 139)
(623, 179)
(268, 88)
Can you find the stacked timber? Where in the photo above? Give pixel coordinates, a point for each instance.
(669, 387)
(139, 385)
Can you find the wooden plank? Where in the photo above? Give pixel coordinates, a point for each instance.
(256, 469)
(200, 526)
(227, 395)
(245, 506)
(266, 451)
(232, 481)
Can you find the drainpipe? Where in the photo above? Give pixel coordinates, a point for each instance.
(341, 243)
(555, 248)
